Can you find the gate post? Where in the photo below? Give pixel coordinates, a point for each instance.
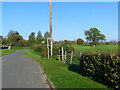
(62, 54)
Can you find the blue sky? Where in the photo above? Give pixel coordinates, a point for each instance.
(70, 19)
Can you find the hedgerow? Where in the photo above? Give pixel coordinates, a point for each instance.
(104, 68)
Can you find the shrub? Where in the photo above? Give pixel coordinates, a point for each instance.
(35, 48)
(108, 43)
(55, 51)
(44, 52)
(102, 67)
(71, 48)
(38, 48)
(80, 41)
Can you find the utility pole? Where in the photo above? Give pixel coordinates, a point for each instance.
(51, 42)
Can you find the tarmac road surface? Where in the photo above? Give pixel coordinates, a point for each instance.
(18, 71)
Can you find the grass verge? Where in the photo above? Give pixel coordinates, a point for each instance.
(6, 51)
(59, 74)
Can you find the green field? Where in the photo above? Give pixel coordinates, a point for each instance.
(102, 48)
(59, 74)
(6, 51)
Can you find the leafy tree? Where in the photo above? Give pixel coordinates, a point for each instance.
(1, 37)
(14, 38)
(107, 43)
(94, 36)
(32, 38)
(46, 35)
(39, 38)
(80, 41)
(5, 41)
(12, 32)
(22, 43)
(66, 42)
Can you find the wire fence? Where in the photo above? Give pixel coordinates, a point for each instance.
(70, 57)
(73, 57)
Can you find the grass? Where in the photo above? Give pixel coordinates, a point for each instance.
(6, 51)
(102, 48)
(21, 48)
(59, 74)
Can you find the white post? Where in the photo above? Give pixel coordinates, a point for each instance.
(9, 47)
(51, 46)
(62, 54)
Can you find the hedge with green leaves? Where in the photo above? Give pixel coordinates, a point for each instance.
(104, 68)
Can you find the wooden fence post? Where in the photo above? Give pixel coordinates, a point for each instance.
(71, 57)
(65, 56)
(59, 55)
(80, 54)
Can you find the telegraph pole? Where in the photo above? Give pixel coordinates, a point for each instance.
(51, 42)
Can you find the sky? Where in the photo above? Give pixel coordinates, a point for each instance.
(70, 19)
(59, 0)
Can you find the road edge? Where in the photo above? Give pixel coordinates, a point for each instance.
(51, 85)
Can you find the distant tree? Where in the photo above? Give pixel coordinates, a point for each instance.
(32, 38)
(5, 41)
(1, 37)
(12, 32)
(108, 43)
(94, 36)
(22, 43)
(39, 38)
(46, 35)
(80, 41)
(14, 38)
(113, 42)
(66, 41)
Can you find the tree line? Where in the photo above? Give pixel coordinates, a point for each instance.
(15, 39)
(93, 37)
